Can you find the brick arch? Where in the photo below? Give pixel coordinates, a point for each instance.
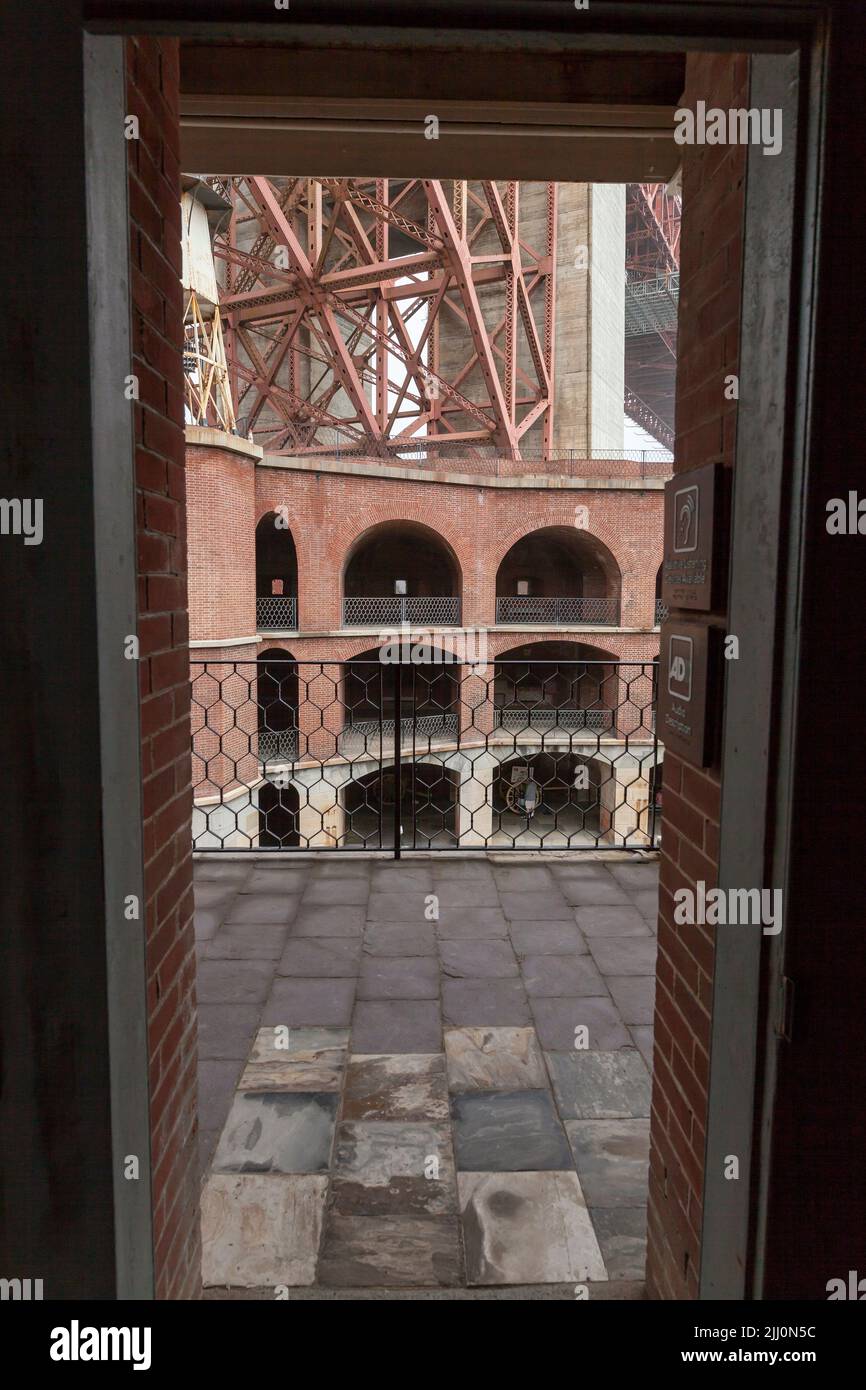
(530, 525)
(450, 544)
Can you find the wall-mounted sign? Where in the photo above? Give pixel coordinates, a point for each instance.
(684, 680)
(692, 519)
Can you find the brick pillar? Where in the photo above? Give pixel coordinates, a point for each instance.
(154, 206)
(711, 250)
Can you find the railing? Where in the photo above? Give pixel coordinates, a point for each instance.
(562, 721)
(274, 745)
(662, 612)
(277, 613)
(392, 610)
(448, 773)
(520, 608)
(367, 734)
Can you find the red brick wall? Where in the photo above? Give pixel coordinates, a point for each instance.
(154, 193)
(328, 512)
(711, 248)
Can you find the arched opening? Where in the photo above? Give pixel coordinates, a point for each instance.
(429, 703)
(277, 699)
(558, 574)
(276, 575)
(562, 690)
(563, 807)
(661, 609)
(279, 815)
(401, 572)
(429, 795)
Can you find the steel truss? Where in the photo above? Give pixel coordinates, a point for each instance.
(372, 315)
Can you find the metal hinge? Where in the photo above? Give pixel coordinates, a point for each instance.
(785, 1009)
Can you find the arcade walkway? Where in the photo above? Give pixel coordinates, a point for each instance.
(395, 1100)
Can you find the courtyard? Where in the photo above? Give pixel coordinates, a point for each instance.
(429, 1076)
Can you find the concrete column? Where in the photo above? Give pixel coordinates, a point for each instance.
(475, 805)
(624, 797)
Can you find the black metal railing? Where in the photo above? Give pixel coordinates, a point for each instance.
(440, 610)
(277, 613)
(512, 754)
(520, 608)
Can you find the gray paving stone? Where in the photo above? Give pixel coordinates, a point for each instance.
(555, 977)
(624, 955)
(527, 1228)
(471, 1003)
(637, 877)
(381, 1167)
(213, 894)
(336, 892)
(634, 996)
(207, 922)
(399, 977)
(400, 939)
(323, 866)
(643, 1040)
(494, 1059)
(323, 1003)
(581, 866)
(585, 892)
(270, 879)
(321, 957)
(396, 1025)
(621, 1233)
(548, 938)
(548, 905)
(484, 960)
(277, 1132)
(398, 907)
(247, 941)
(470, 923)
(344, 919)
(234, 981)
(617, 920)
(226, 1030)
(210, 870)
(612, 1160)
(207, 1142)
(600, 1085)
(524, 878)
(402, 877)
(556, 1020)
(476, 868)
(217, 1079)
(647, 904)
(508, 1131)
(398, 1086)
(359, 1251)
(466, 892)
(263, 907)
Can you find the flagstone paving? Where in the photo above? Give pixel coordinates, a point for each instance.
(424, 1075)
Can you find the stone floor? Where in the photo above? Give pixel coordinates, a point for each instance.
(428, 1075)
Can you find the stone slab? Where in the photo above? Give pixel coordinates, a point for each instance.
(527, 1228)
(556, 977)
(483, 960)
(321, 957)
(314, 1060)
(277, 1132)
(233, 981)
(263, 907)
(322, 1003)
(621, 1233)
(247, 941)
(624, 955)
(226, 1030)
(634, 996)
(400, 939)
(396, 1025)
(612, 1160)
(261, 1229)
(399, 977)
(556, 1019)
(470, 923)
(400, 1086)
(391, 1168)
(470, 1003)
(611, 921)
(359, 1251)
(548, 939)
(600, 1085)
(508, 1131)
(494, 1059)
(343, 919)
